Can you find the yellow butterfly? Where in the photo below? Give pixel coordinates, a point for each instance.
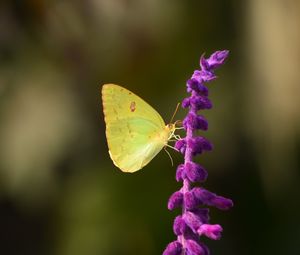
(135, 132)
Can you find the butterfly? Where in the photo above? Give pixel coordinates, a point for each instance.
(135, 132)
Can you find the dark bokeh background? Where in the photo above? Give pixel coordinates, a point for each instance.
(60, 193)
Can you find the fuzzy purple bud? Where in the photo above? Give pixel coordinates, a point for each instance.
(217, 59)
(179, 226)
(192, 84)
(195, 121)
(190, 201)
(180, 175)
(203, 195)
(222, 203)
(180, 145)
(186, 102)
(212, 199)
(200, 103)
(195, 172)
(173, 248)
(202, 213)
(211, 231)
(202, 90)
(175, 200)
(199, 144)
(204, 143)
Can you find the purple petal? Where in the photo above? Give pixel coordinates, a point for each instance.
(192, 220)
(193, 248)
(222, 203)
(202, 213)
(203, 195)
(204, 63)
(212, 199)
(175, 200)
(211, 231)
(173, 248)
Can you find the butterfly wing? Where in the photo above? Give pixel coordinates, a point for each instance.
(135, 132)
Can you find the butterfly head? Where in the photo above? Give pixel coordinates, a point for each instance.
(171, 128)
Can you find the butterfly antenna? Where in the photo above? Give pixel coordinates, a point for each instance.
(169, 155)
(177, 107)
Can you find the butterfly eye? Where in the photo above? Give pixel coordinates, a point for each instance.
(170, 126)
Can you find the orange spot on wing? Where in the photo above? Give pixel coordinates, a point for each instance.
(132, 107)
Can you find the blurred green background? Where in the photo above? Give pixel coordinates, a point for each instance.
(59, 191)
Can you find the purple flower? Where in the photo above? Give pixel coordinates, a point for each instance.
(180, 145)
(211, 231)
(212, 199)
(194, 221)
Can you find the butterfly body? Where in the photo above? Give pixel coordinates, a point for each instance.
(135, 132)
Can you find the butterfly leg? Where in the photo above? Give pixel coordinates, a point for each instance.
(167, 145)
(169, 153)
(177, 137)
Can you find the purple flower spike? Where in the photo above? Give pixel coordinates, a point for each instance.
(174, 248)
(193, 223)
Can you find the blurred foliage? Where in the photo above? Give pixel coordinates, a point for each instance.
(60, 192)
